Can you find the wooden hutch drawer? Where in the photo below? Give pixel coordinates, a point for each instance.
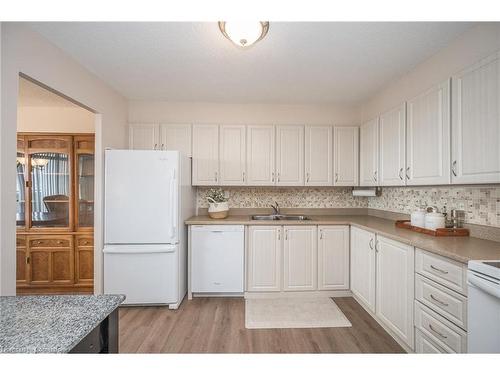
(20, 241)
(50, 242)
(84, 241)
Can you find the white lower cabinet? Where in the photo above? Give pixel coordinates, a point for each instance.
(264, 259)
(333, 257)
(425, 345)
(299, 258)
(296, 258)
(395, 287)
(363, 266)
(382, 274)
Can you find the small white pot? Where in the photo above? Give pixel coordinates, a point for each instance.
(434, 220)
(218, 210)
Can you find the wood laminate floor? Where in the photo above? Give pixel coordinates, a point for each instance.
(217, 325)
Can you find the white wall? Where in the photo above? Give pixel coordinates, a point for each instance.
(28, 52)
(468, 48)
(55, 119)
(226, 113)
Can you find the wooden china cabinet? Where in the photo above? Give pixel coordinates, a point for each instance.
(55, 213)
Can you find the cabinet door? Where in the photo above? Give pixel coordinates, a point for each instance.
(476, 123)
(299, 258)
(368, 144)
(318, 155)
(21, 261)
(143, 137)
(232, 154)
(84, 182)
(205, 154)
(260, 155)
(333, 257)
(264, 259)
(290, 155)
(346, 156)
(395, 283)
(51, 261)
(176, 137)
(84, 260)
(392, 127)
(363, 266)
(428, 137)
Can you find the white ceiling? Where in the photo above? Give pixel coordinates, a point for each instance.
(297, 62)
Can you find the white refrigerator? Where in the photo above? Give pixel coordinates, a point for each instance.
(148, 196)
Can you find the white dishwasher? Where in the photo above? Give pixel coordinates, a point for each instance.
(217, 258)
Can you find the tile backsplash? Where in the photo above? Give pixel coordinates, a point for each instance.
(480, 203)
(287, 197)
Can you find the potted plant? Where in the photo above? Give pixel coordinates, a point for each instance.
(218, 208)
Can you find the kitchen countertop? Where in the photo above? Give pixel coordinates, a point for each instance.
(51, 324)
(461, 249)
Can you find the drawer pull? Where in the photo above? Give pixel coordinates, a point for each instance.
(438, 301)
(439, 269)
(437, 332)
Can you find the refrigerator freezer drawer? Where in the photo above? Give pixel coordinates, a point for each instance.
(144, 278)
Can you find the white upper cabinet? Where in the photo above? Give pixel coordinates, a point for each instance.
(368, 144)
(264, 259)
(476, 123)
(395, 287)
(176, 137)
(205, 155)
(428, 137)
(318, 155)
(289, 155)
(232, 154)
(299, 258)
(345, 156)
(333, 257)
(363, 266)
(392, 126)
(143, 137)
(260, 155)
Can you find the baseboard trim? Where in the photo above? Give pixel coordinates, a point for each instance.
(315, 293)
(195, 294)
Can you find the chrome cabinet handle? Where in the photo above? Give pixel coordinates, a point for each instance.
(401, 174)
(286, 234)
(321, 234)
(272, 178)
(336, 177)
(453, 168)
(371, 243)
(278, 176)
(438, 301)
(407, 171)
(376, 246)
(243, 174)
(375, 176)
(279, 234)
(439, 269)
(155, 146)
(307, 177)
(437, 332)
(216, 177)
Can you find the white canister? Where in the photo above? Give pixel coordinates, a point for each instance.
(418, 218)
(434, 220)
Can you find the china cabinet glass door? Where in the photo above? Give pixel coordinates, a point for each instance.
(84, 166)
(20, 185)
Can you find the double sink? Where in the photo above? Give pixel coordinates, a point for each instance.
(280, 217)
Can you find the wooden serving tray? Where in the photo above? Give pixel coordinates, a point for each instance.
(439, 232)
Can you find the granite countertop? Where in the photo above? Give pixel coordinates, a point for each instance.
(461, 249)
(51, 324)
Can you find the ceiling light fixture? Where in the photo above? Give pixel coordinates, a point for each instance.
(244, 33)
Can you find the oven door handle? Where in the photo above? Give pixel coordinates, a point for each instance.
(485, 284)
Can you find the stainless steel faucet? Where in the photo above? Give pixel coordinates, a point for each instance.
(276, 208)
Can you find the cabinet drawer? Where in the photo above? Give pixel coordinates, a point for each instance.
(425, 345)
(447, 335)
(442, 270)
(20, 241)
(85, 241)
(452, 305)
(50, 242)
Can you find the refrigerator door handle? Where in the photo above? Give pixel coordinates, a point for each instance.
(173, 211)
